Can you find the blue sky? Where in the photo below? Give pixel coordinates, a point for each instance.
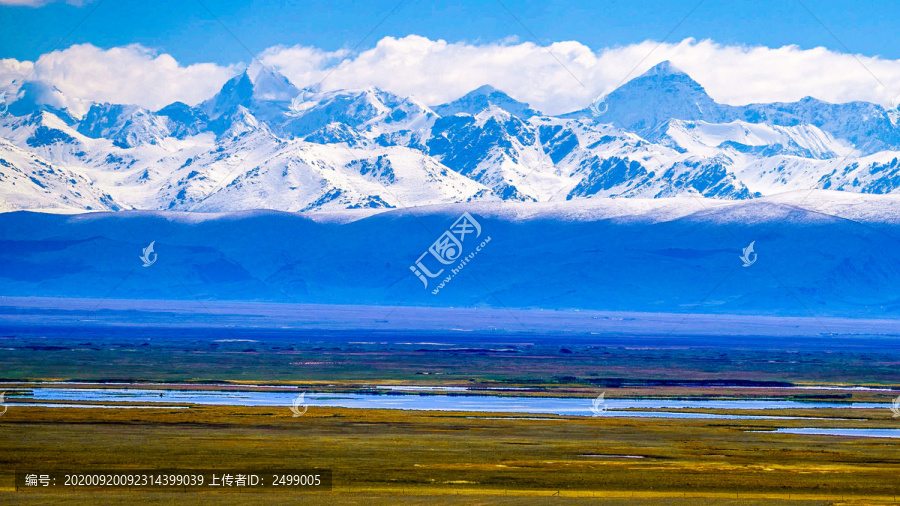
(741, 51)
(184, 29)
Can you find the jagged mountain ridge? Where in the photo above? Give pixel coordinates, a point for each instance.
(261, 142)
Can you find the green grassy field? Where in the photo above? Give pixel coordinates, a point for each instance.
(386, 456)
(413, 457)
(531, 360)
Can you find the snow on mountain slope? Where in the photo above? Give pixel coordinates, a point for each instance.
(261, 142)
(482, 99)
(300, 176)
(130, 176)
(868, 127)
(261, 90)
(375, 114)
(501, 151)
(647, 103)
(603, 161)
(126, 126)
(33, 96)
(878, 173)
(29, 182)
(650, 100)
(45, 134)
(708, 139)
(184, 120)
(866, 209)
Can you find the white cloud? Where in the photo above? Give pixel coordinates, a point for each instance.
(573, 75)
(41, 3)
(436, 71)
(308, 65)
(125, 75)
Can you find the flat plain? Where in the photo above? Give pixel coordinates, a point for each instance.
(431, 457)
(380, 456)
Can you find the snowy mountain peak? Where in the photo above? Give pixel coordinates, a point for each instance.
(371, 110)
(236, 91)
(482, 99)
(184, 120)
(262, 90)
(649, 101)
(269, 84)
(666, 83)
(34, 96)
(665, 68)
(126, 125)
(484, 89)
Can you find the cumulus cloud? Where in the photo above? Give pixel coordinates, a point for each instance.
(306, 65)
(437, 71)
(567, 76)
(563, 77)
(126, 75)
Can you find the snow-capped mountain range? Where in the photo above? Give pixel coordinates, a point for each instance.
(263, 143)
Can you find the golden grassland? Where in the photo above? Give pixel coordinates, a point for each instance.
(415, 457)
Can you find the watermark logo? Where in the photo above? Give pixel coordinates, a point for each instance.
(146, 256)
(297, 104)
(599, 106)
(598, 405)
(746, 257)
(3, 106)
(299, 402)
(3, 403)
(448, 250)
(895, 407)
